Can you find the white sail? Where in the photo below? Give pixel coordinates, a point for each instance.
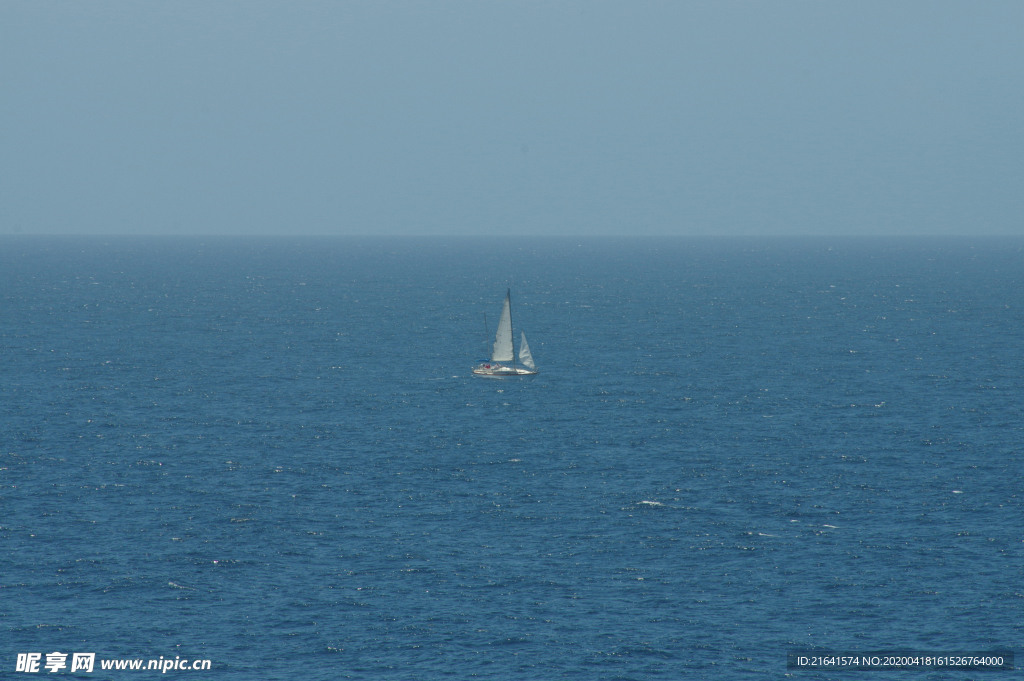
(524, 353)
(503, 339)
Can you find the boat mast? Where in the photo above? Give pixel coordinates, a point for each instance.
(487, 334)
(508, 294)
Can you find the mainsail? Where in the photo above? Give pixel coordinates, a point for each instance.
(524, 353)
(503, 339)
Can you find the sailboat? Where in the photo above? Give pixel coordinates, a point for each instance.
(503, 351)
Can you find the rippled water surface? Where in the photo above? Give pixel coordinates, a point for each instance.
(270, 453)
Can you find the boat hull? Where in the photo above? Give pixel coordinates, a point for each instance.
(499, 371)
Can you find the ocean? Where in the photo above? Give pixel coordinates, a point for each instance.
(270, 453)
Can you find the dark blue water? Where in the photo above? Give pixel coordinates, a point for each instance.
(270, 453)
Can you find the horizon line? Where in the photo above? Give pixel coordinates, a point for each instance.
(506, 237)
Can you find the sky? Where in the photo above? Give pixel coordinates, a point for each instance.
(511, 118)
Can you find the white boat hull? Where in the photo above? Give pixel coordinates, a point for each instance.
(500, 371)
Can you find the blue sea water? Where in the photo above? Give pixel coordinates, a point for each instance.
(271, 453)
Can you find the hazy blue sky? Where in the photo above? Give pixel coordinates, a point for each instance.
(512, 117)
